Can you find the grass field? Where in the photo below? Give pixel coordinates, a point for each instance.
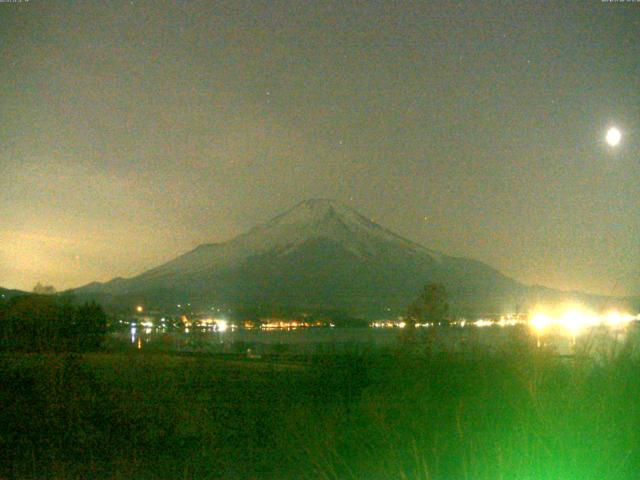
(525, 414)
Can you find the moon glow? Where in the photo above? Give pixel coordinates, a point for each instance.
(613, 136)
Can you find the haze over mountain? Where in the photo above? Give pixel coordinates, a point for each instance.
(319, 255)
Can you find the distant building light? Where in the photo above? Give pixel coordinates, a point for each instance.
(221, 325)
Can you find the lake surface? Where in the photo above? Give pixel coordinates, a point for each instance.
(328, 340)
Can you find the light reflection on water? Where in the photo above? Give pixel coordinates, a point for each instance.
(338, 340)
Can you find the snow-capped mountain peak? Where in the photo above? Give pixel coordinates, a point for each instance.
(310, 220)
(320, 254)
(323, 219)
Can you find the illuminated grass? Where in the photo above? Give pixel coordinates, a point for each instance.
(526, 414)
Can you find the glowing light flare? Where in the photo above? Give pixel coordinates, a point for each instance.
(540, 321)
(483, 323)
(616, 319)
(574, 319)
(221, 325)
(613, 136)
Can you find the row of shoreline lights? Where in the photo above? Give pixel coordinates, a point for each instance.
(571, 319)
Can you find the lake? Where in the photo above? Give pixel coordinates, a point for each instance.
(326, 340)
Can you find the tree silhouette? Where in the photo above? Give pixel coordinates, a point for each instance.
(431, 306)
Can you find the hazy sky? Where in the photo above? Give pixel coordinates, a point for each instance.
(133, 131)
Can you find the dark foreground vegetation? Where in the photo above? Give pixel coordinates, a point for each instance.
(44, 323)
(524, 414)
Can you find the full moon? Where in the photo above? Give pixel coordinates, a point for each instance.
(613, 136)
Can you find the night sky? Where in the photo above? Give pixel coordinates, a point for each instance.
(133, 131)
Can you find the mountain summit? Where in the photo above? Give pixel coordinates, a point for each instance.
(317, 220)
(319, 255)
(324, 219)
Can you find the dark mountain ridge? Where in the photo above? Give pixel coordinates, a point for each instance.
(6, 293)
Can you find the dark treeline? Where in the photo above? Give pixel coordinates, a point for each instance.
(40, 323)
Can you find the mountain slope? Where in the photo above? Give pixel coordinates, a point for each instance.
(5, 293)
(318, 255)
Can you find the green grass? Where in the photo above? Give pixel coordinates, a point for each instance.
(525, 414)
